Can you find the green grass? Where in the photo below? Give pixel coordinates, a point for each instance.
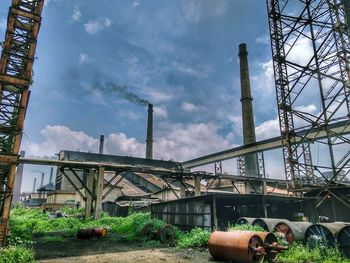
(299, 253)
(195, 238)
(245, 227)
(16, 254)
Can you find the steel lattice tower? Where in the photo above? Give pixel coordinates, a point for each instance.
(310, 54)
(16, 64)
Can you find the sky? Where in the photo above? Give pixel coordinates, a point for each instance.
(180, 55)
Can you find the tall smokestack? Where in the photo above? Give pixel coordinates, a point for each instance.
(34, 186)
(42, 179)
(251, 163)
(18, 181)
(149, 141)
(51, 176)
(102, 141)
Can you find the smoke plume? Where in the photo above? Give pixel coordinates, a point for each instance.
(123, 92)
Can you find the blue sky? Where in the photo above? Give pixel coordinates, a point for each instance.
(179, 54)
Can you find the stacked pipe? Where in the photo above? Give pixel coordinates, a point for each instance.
(312, 235)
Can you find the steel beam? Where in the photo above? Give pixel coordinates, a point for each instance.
(342, 128)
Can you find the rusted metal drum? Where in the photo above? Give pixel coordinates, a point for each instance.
(269, 224)
(167, 234)
(245, 220)
(343, 240)
(319, 235)
(292, 231)
(149, 231)
(100, 232)
(236, 246)
(271, 245)
(85, 233)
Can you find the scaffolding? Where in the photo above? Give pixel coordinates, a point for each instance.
(16, 64)
(310, 54)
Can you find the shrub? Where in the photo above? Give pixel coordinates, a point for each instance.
(197, 237)
(18, 254)
(245, 227)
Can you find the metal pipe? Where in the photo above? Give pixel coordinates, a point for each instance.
(269, 224)
(343, 240)
(102, 140)
(245, 220)
(238, 246)
(319, 235)
(292, 231)
(149, 140)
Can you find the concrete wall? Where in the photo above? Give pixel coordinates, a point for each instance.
(60, 198)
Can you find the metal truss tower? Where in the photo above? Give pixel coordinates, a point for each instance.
(310, 54)
(16, 64)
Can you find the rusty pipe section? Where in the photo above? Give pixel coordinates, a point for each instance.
(269, 224)
(236, 246)
(271, 245)
(292, 231)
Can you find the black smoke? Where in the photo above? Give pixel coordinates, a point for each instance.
(122, 91)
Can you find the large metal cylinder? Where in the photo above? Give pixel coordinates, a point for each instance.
(245, 220)
(343, 240)
(319, 235)
(237, 246)
(269, 224)
(292, 231)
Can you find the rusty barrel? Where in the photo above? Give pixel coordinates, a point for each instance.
(236, 246)
(319, 235)
(269, 224)
(100, 232)
(167, 234)
(292, 231)
(85, 233)
(245, 220)
(343, 240)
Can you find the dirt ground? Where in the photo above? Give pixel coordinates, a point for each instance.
(109, 250)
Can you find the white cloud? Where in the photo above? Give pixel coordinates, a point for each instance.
(195, 10)
(94, 26)
(311, 109)
(59, 137)
(136, 3)
(158, 96)
(265, 39)
(267, 129)
(130, 115)
(76, 13)
(176, 141)
(189, 107)
(83, 58)
(160, 112)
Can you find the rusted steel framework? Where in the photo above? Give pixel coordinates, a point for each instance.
(310, 52)
(260, 165)
(16, 64)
